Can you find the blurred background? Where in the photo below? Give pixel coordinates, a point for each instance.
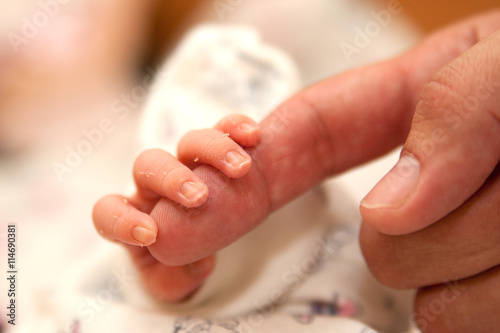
(96, 43)
(430, 15)
(68, 65)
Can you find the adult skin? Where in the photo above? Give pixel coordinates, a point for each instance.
(433, 219)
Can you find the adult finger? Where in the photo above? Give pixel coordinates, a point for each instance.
(462, 244)
(326, 129)
(469, 305)
(452, 148)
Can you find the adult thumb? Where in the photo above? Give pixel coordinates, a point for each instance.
(452, 148)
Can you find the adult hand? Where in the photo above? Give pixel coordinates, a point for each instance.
(432, 220)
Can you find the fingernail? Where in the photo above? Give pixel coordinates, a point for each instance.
(393, 190)
(144, 236)
(192, 191)
(236, 159)
(247, 127)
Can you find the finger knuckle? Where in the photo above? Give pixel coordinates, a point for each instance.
(440, 91)
(380, 256)
(171, 174)
(229, 121)
(216, 145)
(189, 135)
(432, 306)
(143, 160)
